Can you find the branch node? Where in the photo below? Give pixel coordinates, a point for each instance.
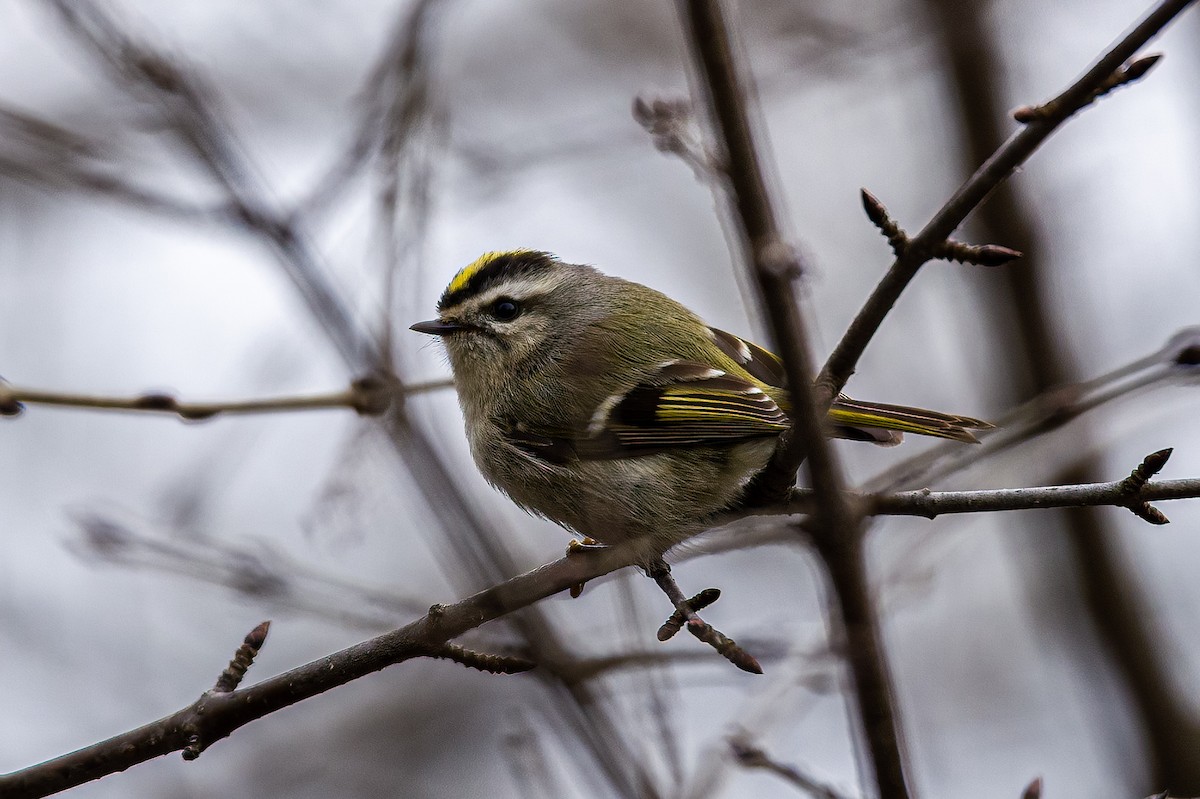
(1182, 349)
(660, 572)
(493, 664)
(156, 401)
(232, 676)
(9, 406)
(195, 746)
(880, 218)
(669, 123)
(779, 260)
(675, 623)
(371, 395)
(1132, 486)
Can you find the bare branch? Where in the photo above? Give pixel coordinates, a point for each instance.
(838, 530)
(216, 715)
(1134, 493)
(369, 396)
(842, 361)
(751, 756)
(950, 249)
(660, 572)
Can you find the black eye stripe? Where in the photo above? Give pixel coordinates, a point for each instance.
(499, 268)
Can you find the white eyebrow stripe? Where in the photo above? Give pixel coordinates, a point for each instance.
(514, 289)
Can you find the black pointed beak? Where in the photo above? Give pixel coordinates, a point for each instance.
(436, 327)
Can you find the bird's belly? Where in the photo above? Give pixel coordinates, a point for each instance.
(665, 496)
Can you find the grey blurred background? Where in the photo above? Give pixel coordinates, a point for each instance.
(136, 550)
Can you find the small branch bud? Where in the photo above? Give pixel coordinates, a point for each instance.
(878, 214)
(1129, 73)
(194, 747)
(242, 659)
(493, 664)
(1034, 790)
(976, 254)
(724, 645)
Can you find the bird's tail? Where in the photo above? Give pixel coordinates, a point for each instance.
(885, 424)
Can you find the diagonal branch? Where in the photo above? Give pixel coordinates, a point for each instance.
(922, 247)
(215, 715)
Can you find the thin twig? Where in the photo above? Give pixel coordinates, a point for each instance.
(368, 396)
(660, 572)
(750, 756)
(1133, 492)
(1049, 411)
(255, 570)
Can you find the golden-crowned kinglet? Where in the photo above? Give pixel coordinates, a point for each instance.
(613, 410)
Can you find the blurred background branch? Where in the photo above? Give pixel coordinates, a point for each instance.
(182, 187)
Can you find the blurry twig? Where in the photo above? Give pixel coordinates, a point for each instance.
(750, 756)
(1175, 360)
(526, 758)
(673, 130)
(187, 107)
(807, 671)
(254, 570)
(36, 151)
(369, 396)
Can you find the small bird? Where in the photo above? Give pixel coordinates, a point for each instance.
(613, 410)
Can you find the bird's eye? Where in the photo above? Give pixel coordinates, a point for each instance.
(505, 310)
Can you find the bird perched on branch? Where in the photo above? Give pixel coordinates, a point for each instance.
(613, 410)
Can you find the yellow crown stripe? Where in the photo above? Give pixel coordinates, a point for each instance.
(479, 264)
